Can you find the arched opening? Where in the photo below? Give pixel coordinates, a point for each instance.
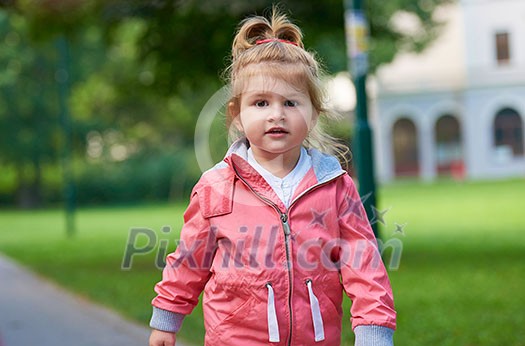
(449, 152)
(507, 134)
(406, 161)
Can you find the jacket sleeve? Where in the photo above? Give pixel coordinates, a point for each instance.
(364, 276)
(188, 268)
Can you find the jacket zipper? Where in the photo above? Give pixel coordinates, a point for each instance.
(287, 234)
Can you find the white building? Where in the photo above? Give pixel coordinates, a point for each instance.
(459, 107)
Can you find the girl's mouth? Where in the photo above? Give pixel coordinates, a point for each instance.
(276, 131)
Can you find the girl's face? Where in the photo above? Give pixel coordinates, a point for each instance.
(275, 117)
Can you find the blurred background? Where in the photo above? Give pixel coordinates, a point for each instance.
(99, 102)
(114, 88)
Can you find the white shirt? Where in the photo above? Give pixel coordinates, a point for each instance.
(284, 187)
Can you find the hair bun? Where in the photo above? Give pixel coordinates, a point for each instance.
(259, 28)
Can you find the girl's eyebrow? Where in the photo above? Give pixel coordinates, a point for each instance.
(268, 93)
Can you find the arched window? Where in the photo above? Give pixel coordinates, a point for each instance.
(449, 153)
(406, 161)
(508, 133)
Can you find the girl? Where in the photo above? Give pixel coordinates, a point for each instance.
(276, 232)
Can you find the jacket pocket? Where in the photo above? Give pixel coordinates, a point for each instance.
(330, 302)
(325, 305)
(235, 318)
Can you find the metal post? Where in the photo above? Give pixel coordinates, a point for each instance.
(357, 44)
(62, 77)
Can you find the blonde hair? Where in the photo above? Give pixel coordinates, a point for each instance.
(284, 57)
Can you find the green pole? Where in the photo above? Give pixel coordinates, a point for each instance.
(62, 77)
(357, 44)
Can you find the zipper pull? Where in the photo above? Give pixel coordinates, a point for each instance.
(284, 219)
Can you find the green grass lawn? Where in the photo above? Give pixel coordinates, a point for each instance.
(460, 280)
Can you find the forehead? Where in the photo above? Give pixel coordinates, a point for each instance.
(266, 84)
(271, 77)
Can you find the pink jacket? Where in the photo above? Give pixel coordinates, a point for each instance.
(272, 274)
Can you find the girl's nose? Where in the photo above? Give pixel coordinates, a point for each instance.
(276, 113)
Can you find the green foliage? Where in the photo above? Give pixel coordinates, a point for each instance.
(154, 176)
(49, 18)
(29, 135)
(187, 42)
(139, 74)
(387, 39)
(112, 107)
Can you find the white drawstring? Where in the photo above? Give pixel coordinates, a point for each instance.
(316, 313)
(273, 327)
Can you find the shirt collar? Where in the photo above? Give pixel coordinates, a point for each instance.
(292, 178)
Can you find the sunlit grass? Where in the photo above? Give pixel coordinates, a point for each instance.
(460, 280)
(90, 261)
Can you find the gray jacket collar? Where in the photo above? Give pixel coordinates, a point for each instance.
(326, 167)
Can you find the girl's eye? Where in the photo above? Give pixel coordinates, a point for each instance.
(289, 103)
(261, 103)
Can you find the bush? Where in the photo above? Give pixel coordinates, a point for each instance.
(148, 177)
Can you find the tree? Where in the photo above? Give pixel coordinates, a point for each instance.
(186, 42)
(142, 70)
(189, 40)
(28, 116)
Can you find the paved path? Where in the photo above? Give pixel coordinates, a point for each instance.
(34, 311)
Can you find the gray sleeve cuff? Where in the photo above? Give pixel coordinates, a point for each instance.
(370, 335)
(166, 321)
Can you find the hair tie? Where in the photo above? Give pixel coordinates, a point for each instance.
(275, 40)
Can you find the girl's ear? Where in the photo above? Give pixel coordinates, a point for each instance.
(234, 111)
(313, 121)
